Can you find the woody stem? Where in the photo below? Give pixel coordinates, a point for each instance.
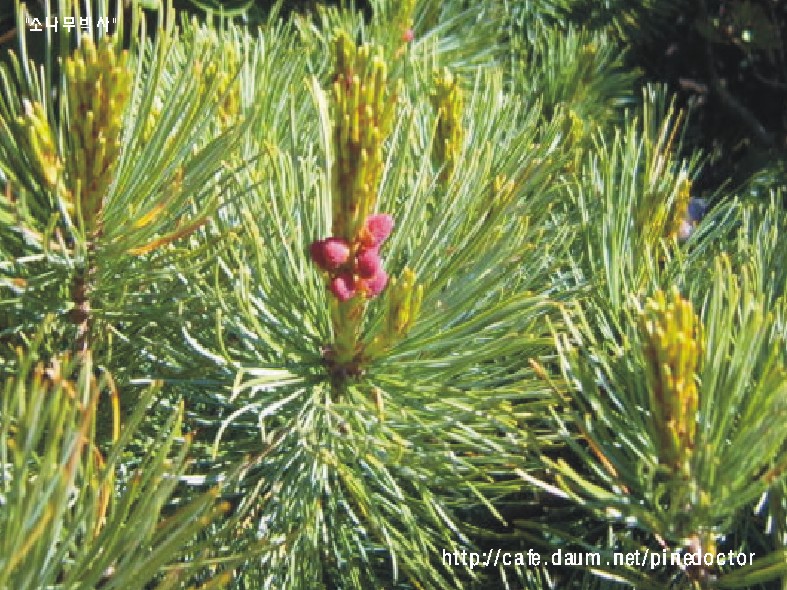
(81, 289)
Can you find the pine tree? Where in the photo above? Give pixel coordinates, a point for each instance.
(328, 302)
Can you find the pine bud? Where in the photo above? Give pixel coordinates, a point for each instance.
(671, 334)
(448, 102)
(99, 89)
(362, 114)
(38, 141)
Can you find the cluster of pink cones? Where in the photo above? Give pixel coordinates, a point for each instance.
(355, 267)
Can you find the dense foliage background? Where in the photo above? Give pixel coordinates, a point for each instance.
(723, 59)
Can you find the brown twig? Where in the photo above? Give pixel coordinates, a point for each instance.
(7, 36)
(81, 295)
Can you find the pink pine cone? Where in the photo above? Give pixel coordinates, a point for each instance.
(376, 229)
(343, 286)
(316, 253)
(408, 35)
(374, 286)
(330, 254)
(368, 263)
